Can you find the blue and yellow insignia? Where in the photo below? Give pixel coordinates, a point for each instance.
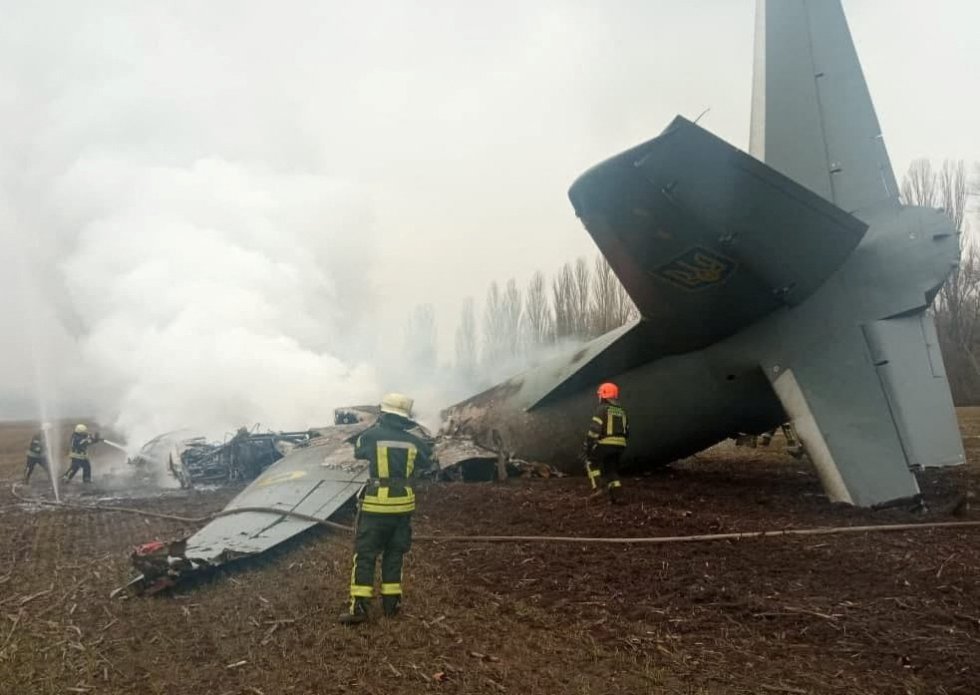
(697, 269)
(280, 478)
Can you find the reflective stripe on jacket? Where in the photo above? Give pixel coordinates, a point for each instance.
(393, 455)
(78, 449)
(609, 426)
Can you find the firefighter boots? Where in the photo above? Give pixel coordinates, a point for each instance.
(391, 604)
(357, 614)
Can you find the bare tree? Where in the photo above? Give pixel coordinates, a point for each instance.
(511, 310)
(951, 189)
(466, 341)
(610, 306)
(538, 319)
(420, 340)
(563, 292)
(602, 307)
(919, 185)
(493, 326)
(580, 299)
(957, 306)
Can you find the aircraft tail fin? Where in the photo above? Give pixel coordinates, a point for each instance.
(812, 115)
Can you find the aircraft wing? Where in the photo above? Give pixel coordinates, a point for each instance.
(812, 115)
(315, 480)
(899, 413)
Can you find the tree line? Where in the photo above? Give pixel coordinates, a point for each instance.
(583, 300)
(957, 305)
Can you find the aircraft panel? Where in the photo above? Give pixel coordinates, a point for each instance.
(316, 480)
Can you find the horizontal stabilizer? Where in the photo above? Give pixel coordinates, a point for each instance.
(705, 238)
(615, 352)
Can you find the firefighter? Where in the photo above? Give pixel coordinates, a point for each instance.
(606, 441)
(384, 525)
(37, 454)
(78, 454)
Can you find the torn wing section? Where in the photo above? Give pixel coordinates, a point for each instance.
(856, 449)
(314, 481)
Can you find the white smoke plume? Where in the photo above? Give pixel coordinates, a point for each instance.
(192, 263)
(209, 293)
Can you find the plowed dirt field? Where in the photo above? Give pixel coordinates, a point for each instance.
(894, 612)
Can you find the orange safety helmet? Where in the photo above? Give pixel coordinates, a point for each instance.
(607, 390)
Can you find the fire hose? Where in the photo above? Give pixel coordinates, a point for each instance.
(642, 540)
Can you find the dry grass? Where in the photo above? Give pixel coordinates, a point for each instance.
(864, 614)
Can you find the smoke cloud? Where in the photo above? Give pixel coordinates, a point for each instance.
(182, 257)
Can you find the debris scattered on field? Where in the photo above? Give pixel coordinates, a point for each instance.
(310, 482)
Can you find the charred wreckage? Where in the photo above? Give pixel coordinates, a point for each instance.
(298, 480)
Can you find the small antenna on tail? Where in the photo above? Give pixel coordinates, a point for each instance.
(702, 114)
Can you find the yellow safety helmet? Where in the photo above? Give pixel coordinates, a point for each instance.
(80, 429)
(397, 404)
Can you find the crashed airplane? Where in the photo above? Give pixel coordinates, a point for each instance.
(788, 283)
(791, 282)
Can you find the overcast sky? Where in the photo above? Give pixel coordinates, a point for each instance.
(432, 143)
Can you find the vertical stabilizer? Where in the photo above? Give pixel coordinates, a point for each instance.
(812, 116)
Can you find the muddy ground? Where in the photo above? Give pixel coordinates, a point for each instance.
(884, 613)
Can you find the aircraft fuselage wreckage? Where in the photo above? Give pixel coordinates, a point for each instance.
(789, 284)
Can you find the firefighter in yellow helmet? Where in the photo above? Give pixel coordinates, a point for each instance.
(384, 526)
(606, 440)
(81, 439)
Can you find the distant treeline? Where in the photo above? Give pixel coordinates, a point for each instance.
(957, 306)
(582, 301)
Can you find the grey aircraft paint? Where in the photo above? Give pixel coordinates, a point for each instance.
(796, 288)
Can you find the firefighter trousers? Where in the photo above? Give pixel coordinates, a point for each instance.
(33, 461)
(387, 535)
(82, 465)
(605, 465)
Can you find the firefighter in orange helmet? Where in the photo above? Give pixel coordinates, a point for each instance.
(606, 441)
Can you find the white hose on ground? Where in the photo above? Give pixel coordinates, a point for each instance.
(644, 540)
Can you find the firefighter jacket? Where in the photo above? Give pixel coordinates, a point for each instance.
(80, 441)
(394, 456)
(609, 426)
(36, 448)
